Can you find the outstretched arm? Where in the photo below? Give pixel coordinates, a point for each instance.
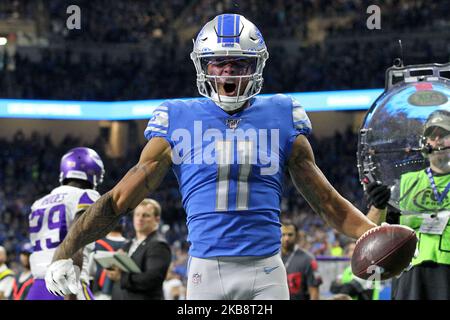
(101, 217)
(321, 195)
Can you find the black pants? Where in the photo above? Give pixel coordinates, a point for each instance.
(427, 281)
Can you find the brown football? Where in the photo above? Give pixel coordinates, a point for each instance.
(387, 249)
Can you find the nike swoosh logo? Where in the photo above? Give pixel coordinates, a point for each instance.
(269, 270)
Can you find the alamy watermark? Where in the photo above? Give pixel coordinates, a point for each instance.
(375, 275)
(74, 20)
(374, 20)
(234, 146)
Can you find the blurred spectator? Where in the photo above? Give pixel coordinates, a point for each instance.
(301, 267)
(181, 256)
(336, 249)
(102, 287)
(319, 246)
(151, 253)
(173, 286)
(6, 276)
(23, 280)
(353, 286)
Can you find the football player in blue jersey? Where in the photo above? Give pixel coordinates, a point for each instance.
(229, 153)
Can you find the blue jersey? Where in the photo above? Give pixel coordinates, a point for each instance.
(230, 170)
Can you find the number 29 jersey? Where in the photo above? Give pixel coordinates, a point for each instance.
(50, 219)
(230, 169)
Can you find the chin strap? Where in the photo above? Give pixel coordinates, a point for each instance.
(228, 103)
(231, 103)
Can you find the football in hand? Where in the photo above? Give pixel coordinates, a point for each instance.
(386, 250)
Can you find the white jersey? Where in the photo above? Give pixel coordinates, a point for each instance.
(50, 219)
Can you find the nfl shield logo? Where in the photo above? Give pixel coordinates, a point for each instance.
(196, 278)
(233, 123)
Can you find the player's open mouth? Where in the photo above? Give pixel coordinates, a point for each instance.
(229, 88)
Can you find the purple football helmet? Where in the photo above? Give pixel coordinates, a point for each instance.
(83, 164)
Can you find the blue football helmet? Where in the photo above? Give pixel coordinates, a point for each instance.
(230, 38)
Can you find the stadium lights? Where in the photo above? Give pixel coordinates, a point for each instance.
(3, 41)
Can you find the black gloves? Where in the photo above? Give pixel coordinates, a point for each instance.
(379, 194)
(352, 288)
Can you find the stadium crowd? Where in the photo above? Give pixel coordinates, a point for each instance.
(57, 76)
(159, 31)
(139, 21)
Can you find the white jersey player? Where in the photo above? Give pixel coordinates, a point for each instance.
(52, 215)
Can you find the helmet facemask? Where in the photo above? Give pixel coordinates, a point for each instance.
(230, 80)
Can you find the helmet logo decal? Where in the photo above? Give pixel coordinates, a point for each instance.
(260, 38)
(71, 164)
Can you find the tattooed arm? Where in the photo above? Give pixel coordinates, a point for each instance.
(320, 194)
(101, 217)
(78, 255)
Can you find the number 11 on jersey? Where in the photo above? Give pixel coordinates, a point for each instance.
(225, 152)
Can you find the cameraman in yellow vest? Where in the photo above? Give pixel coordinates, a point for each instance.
(425, 192)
